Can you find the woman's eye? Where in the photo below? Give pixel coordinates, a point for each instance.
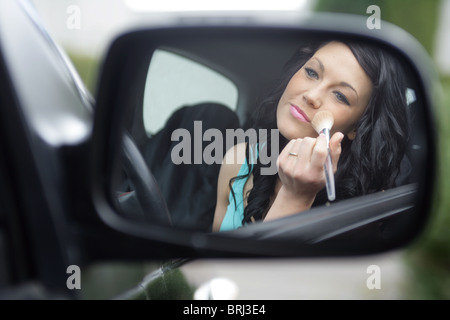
(342, 98)
(311, 73)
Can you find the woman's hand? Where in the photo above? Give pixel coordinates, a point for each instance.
(301, 171)
(300, 164)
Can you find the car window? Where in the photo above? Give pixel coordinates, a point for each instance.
(174, 81)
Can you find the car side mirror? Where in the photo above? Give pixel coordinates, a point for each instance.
(160, 136)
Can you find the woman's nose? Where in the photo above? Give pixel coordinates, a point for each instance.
(313, 98)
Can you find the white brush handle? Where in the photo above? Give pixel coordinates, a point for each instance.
(328, 168)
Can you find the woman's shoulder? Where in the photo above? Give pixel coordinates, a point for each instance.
(232, 161)
(235, 156)
(231, 165)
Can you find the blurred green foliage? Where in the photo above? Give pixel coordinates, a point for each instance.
(88, 69)
(428, 259)
(106, 281)
(172, 285)
(135, 281)
(418, 17)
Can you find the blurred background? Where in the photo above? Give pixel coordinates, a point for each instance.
(84, 28)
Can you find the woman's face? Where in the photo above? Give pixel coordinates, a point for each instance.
(331, 80)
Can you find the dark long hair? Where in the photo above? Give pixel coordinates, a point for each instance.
(370, 162)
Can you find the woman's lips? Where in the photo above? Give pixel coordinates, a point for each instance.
(297, 113)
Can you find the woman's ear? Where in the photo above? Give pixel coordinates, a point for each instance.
(351, 135)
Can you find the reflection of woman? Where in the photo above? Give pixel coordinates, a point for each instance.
(362, 87)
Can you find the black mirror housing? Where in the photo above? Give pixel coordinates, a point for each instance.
(382, 221)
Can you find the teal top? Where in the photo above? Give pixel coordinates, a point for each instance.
(235, 210)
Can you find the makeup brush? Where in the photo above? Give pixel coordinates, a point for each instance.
(323, 122)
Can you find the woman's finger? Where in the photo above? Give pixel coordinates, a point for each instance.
(319, 153)
(335, 148)
(284, 156)
(304, 151)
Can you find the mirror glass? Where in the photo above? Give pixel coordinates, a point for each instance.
(221, 134)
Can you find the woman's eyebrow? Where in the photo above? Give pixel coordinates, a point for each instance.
(320, 64)
(345, 84)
